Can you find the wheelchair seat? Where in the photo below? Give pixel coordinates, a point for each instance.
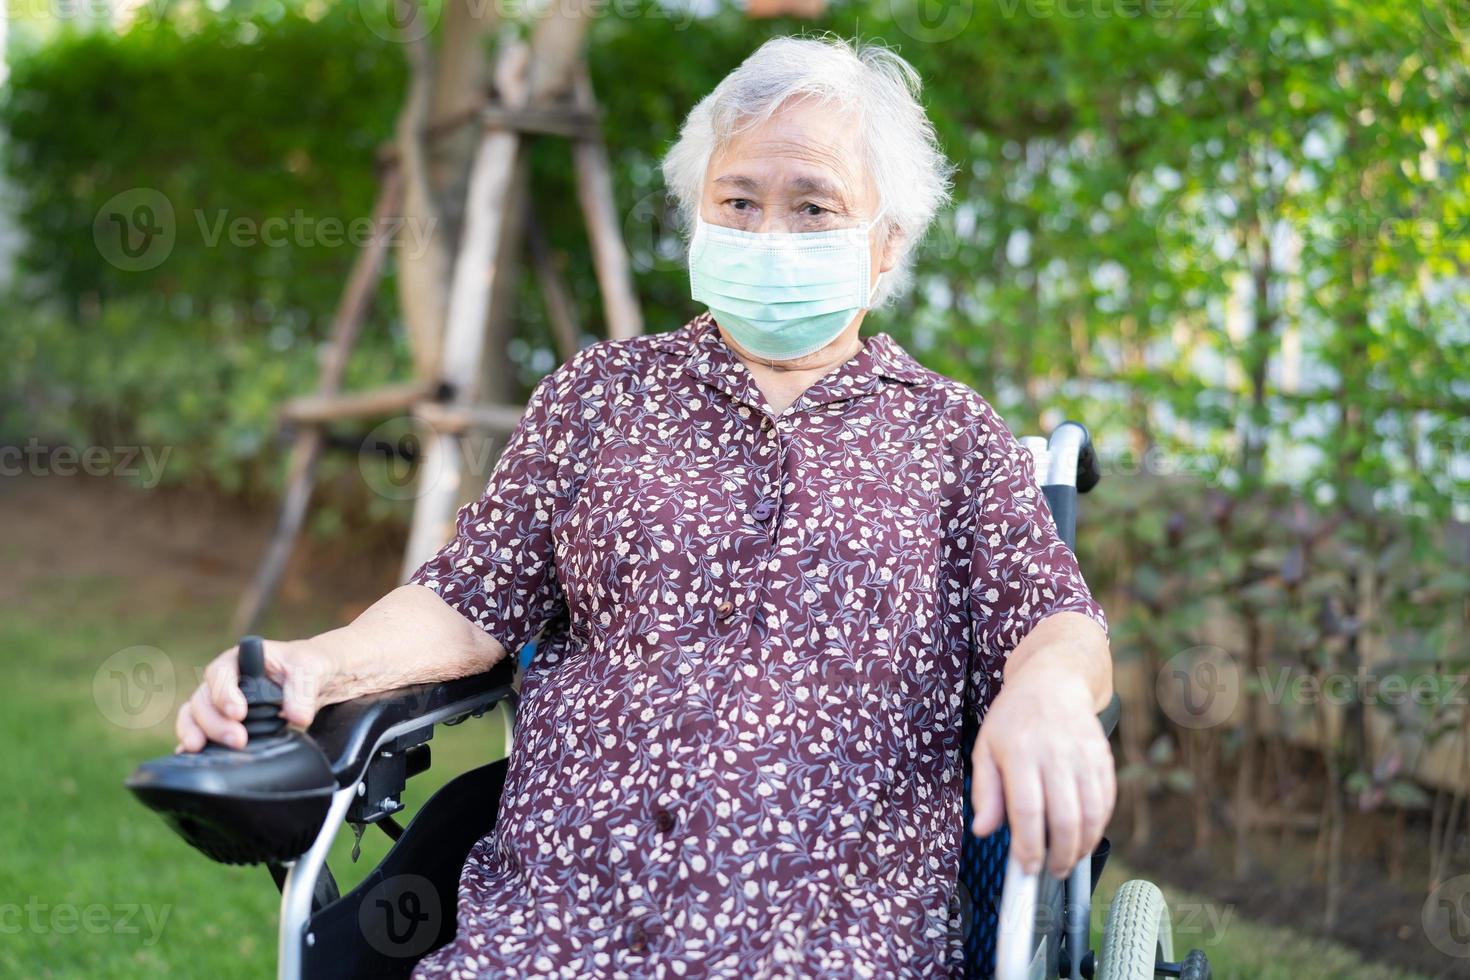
(405, 907)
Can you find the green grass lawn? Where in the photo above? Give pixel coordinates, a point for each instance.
(93, 886)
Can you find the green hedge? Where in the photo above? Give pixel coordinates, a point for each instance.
(258, 134)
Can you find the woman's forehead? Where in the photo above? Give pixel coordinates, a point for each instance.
(797, 150)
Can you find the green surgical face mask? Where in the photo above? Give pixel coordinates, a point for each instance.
(781, 295)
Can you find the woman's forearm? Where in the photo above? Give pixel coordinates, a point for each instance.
(1065, 649)
(410, 636)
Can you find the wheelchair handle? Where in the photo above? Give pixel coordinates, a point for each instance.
(1015, 941)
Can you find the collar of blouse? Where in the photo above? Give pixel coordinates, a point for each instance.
(706, 356)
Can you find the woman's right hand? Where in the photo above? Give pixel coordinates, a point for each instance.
(216, 711)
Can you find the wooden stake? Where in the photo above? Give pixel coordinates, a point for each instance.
(609, 254)
(381, 402)
(543, 89)
(559, 309)
(475, 270)
(352, 309)
(526, 75)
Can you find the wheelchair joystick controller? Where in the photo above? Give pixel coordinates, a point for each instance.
(263, 696)
(263, 803)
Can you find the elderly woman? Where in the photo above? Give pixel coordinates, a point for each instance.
(775, 569)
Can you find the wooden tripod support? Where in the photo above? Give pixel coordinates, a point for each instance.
(498, 222)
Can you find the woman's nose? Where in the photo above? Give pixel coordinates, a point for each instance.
(773, 221)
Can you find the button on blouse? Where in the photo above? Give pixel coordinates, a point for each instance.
(775, 631)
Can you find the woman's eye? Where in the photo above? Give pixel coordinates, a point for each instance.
(813, 210)
(740, 204)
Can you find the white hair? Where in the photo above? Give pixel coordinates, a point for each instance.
(872, 83)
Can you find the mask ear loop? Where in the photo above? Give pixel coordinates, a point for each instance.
(878, 279)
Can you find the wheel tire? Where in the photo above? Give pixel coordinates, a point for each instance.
(1195, 966)
(1138, 933)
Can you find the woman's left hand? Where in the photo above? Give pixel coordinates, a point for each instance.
(1042, 759)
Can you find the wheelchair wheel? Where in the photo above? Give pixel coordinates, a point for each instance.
(1195, 966)
(1138, 934)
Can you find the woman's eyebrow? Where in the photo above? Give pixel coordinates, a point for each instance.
(817, 187)
(740, 182)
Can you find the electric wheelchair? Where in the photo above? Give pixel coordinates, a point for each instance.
(281, 801)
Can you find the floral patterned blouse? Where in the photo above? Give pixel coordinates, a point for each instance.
(738, 748)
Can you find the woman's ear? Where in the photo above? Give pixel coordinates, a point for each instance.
(891, 249)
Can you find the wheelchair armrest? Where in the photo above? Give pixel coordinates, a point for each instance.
(267, 803)
(1109, 716)
(349, 733)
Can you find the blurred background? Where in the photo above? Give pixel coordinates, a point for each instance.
(1232, 236)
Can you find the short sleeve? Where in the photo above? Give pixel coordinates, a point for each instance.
(499, 570)
(1020, 571)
